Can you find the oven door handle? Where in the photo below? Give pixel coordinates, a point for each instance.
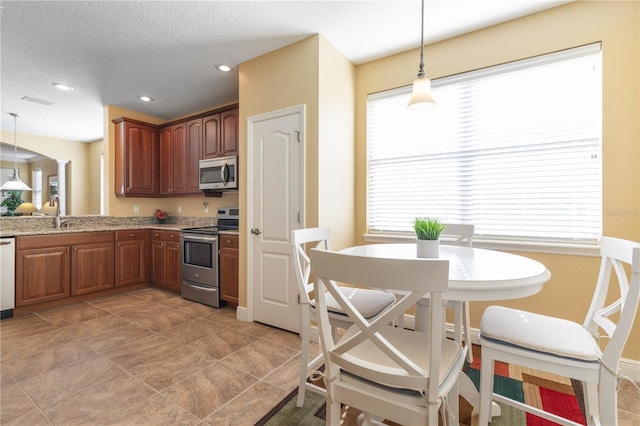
(197, 238)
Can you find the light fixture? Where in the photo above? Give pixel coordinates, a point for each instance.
(62, 86)
(223, 68)
(26, 208)
(421, 97)
(145, 98)
(14, 183)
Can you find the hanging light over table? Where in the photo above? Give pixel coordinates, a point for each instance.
(421, 97)
(14, 183)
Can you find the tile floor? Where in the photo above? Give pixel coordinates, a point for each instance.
(147, 357)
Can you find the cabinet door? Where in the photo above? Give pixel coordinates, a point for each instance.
(173, 159)
(211, 136)
(91, 267)
(42, 274)
(131, 262)
(158, 262)
(229, 275)
(172, 270)
(194, 142)
(164, 159)
(136, 172)
(229, 132)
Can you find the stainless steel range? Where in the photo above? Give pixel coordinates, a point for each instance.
(199, 253)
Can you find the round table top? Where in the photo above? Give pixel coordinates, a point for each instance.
(474, 273)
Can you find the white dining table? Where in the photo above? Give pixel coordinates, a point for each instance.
(475, 274)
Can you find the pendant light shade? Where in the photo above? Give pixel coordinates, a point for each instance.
(14, 183)
(421, 96)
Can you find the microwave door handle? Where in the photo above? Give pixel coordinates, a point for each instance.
(225, 174)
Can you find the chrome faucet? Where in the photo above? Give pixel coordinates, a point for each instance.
(55, 201)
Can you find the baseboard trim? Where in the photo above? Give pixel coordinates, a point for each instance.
(242, 314)
(630, 368)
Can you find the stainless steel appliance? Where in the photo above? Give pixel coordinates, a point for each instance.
(199, 254)
(219, 173)
(7, 277)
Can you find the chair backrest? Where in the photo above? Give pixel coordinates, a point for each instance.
(299, 238)
(416, 278)
(615, 254)
(457, 234)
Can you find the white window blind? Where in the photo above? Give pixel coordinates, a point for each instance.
(514, 149)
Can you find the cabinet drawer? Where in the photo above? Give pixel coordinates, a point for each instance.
(134, 234)
(228, 241)
(157, 235)
(172, 236)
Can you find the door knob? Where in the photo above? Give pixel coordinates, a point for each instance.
(255, 231)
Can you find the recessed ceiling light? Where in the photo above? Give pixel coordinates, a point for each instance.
(62, 86)
(145, 99)
(223, 68)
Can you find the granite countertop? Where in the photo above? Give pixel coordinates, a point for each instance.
(22, 226)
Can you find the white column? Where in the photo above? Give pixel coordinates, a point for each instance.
(62, 186)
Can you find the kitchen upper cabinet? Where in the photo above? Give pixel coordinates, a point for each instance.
(165, 259)
(174, 154)
(57, 266)
(136, 158)
(131, 257)
(220, 134)
(195, 149)
(229, 268)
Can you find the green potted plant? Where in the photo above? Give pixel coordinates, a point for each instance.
(12, 201)
(428, 231)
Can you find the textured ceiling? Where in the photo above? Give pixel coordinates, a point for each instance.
(111, 52)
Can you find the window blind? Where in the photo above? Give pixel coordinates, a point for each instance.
(514, 149)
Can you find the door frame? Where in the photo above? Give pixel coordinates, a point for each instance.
(251, 121)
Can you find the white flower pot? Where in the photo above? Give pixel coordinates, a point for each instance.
(428, 249)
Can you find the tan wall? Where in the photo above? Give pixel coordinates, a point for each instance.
(76, 153)
(280, 79)
(93, 194)
(335, 157)
(123, 207)
(616, 25)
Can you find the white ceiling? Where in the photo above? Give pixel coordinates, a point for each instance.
(111, 52)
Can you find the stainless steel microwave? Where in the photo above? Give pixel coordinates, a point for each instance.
(219, 173)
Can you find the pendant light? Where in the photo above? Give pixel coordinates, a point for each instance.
(421, 97)
(14, 183)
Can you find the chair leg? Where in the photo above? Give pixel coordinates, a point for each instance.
(591, 411)
(333, 413)
(466, 318)
(486, 389)
(607, 398)
(304, 357)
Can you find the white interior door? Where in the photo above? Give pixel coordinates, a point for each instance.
(274, 210)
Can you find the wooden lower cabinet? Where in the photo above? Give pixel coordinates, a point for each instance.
(42, 274)
(229, 268)
(131, 257)
(53, 267)
(165, 259)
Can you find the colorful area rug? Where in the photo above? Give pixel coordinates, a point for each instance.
(553, 393)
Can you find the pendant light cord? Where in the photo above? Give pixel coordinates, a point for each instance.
(421, 72)
(15, 139)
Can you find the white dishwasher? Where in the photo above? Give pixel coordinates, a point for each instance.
(7, 277)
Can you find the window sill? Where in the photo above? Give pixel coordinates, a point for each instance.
(565, 248)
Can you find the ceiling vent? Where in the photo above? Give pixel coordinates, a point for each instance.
(37, 101)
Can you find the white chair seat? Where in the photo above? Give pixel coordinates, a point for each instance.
(411, 344)
(541, 333)
(368, 302)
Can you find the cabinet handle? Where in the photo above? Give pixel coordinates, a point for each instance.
(132, 235)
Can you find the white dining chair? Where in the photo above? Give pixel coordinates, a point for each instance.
(369, 303)
(566, 348)
(460, 234)
(385, 371)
